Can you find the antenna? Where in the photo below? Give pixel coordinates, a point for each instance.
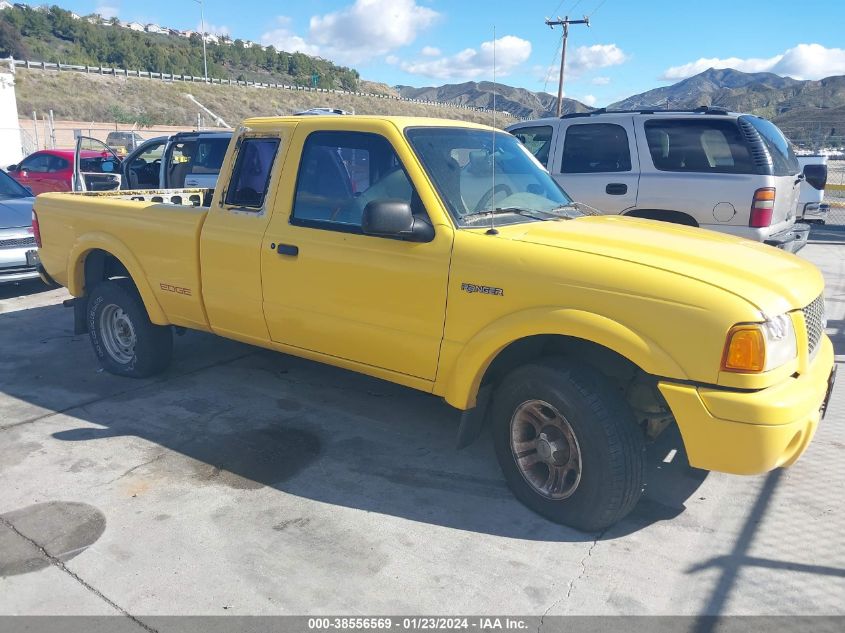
(492, 230)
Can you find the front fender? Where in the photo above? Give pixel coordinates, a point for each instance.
(113, 246)
(472, 362)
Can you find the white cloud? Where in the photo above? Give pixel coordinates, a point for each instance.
(431, 51)
(282, 38)
(589, 100)
(470, 63)
(369, 28)
(587, 58)
(600, 81)
(107, 11)
(804, 61)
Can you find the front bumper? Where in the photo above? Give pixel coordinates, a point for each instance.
(16, 266)
(752, 432)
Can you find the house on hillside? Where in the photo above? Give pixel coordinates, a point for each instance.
(134, 26)
(186, 33)
(5, 5)
(74, 16)
(174, 32)
(155, 28)
(210, 38)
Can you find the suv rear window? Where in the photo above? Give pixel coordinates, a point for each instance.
(784, 161)
(596, 148)
(698, 145)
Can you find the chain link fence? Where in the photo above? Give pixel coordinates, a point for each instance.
(834, 193)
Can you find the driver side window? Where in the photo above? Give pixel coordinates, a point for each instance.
(340, 173)
(40, 163)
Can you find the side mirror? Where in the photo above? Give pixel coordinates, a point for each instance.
(816, 176)
(12, 167)
(394, 218)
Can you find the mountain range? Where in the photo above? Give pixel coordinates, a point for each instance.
(519, 102)
(810, 112)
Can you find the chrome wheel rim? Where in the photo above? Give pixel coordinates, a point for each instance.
(117, 334)
(545, 449)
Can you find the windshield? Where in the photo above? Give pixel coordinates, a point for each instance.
(477, 176)
(9, 188)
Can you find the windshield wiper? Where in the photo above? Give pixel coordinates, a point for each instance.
(529, 213)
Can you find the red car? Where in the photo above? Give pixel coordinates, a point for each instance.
(48, 170)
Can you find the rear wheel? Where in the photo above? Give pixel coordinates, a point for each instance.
(568, 444)
(125, 341)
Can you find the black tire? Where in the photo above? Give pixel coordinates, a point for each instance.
(153, 344)
(610, 444)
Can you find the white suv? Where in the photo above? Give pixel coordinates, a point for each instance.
(735, 173)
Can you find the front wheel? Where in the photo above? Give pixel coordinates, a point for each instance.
(568, 444)
(125, 341)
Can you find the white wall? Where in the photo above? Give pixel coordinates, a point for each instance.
(10, 131)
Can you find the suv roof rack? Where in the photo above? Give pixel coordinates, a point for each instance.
(698, 110)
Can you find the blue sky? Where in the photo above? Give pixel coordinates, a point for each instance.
(630, 47)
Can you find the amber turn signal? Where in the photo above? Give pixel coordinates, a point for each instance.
(745, 349)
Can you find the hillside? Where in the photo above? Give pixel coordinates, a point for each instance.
(81, 97)
(55, 35)
(810, 112)
(521, 103)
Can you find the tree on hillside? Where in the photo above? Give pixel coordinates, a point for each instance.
(11, 43)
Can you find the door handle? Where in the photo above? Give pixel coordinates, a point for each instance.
(287, 249)
(616, 189)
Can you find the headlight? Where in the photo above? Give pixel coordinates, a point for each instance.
(760, 347)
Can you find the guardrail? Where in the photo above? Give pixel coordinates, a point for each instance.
(143, 74)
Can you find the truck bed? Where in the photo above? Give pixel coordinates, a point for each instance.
(153, 233)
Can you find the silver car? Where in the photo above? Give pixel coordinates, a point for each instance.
(718, 170)
(18, 254)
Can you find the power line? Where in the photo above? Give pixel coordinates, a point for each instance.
(597, 7)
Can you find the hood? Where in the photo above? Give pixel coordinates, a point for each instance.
(15, 212)
(770, 279)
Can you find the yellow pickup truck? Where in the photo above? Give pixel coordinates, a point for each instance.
(441, 256)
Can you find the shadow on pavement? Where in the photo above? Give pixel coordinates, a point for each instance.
(830, 234)
(23, 289)
(241, 418)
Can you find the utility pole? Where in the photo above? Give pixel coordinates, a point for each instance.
(202, 26)
(565, 22)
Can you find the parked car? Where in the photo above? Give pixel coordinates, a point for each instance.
(124, 142)
(52, 169)
(811, 206)
(375, 244)
(186, 159)
(734, 173)
(18, 254)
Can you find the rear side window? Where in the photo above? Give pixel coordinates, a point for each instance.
(251, 175)
(698, 145)
(538, 141)
(596, 148)
(784, 161)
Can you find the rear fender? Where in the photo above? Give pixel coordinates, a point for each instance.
(113, 246)
(464, 380)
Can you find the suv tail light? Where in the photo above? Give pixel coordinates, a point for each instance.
(36, 231)
(762, 208)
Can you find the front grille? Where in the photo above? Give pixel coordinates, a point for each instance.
(19, 242)
(815, 322)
